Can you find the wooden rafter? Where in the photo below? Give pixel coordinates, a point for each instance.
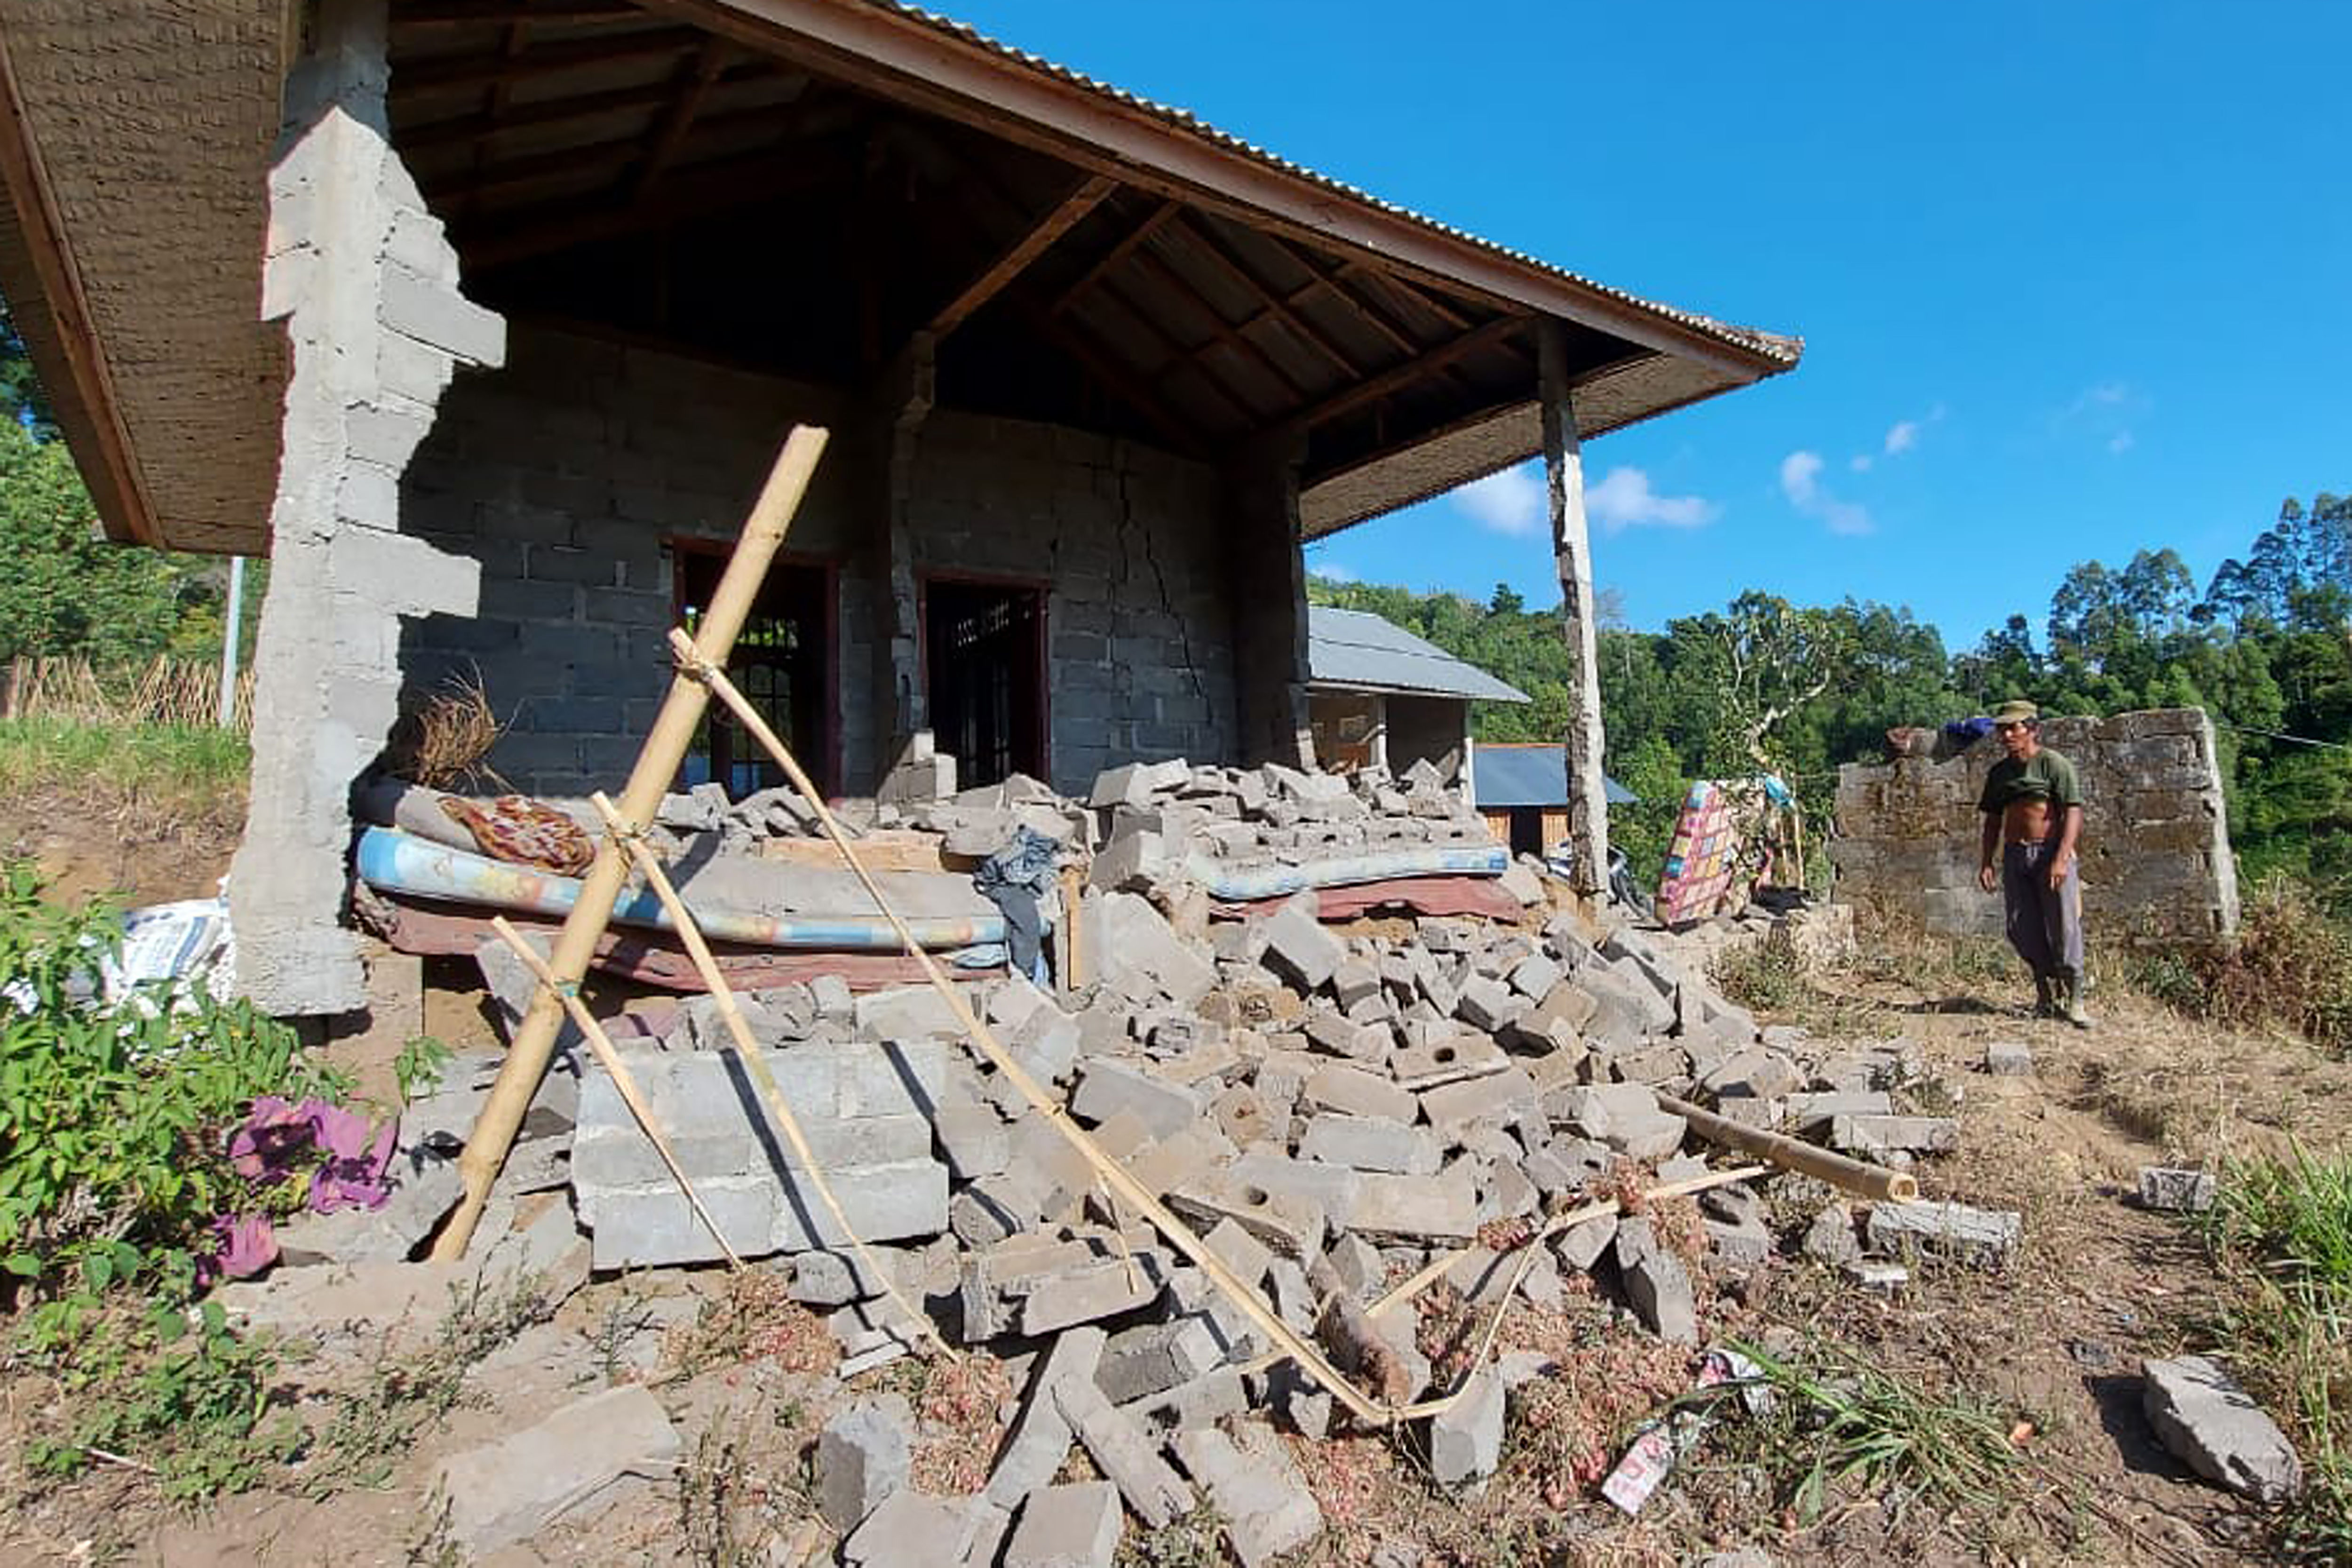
(1223, 332)
(471, 71)
(1349, 399)
(694, 192)
(1174, 427)
(1272, 304)
(1033, 243)
(593, 160)
(693, 84)
(416, 15)
(465, 127)
(1111, 258)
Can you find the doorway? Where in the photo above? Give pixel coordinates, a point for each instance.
(984, 668)
(782, 663)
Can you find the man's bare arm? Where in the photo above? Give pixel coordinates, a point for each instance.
(1988, 845)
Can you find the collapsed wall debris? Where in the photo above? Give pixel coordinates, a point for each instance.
(1467, 1084)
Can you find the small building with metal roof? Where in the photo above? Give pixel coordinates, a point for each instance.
(1522, 789)
(1379, 696)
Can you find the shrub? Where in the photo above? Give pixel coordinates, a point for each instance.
(2291, 965)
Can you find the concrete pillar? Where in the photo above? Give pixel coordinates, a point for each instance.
(1269, 596)
(897, 407)
(366, 285)
(1587, 805)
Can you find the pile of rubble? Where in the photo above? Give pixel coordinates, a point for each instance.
(1333, 1109)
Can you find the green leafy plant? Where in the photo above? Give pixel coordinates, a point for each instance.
(1844, 1421)
(418, 1066)
(2281, 1235)
(175, 1395)
(113, 1120)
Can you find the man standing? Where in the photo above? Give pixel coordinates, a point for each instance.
(2032, 807)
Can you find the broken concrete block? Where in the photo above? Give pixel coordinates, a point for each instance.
(1488, 1003)
(1739, 1244)
(1580, 1246)
(1465, 1440)
(1889, 1134)
(1753, 1075)
(1131, 862)
(975, 1139)
(1806, 1112)
(1624, 1116)
(1420, 1208)
(1832, 1239)
(1334, 1189)
(1981, 1237)
(424, 1189)
(1041, 1435)
(862, 1457)
(1155, 1357)
(1242, 1252)
(913, 1527)
(1339, 1087)
(1298, 948)
(1143, 958)
(2177, 1191)
(1126, 1456)
(1109, 1086)
(1093, 1290)
(1372, 1143)
(2008, 1058)
(1074, 1526)
(1291, 1224)
(1493, 1098)
(1657, 1284)
(2215, 1427)
(509, 1491)
(1202, 1401)
(1256, 1486)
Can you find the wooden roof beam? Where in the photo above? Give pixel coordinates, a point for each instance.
(1349, 399)
(695, 192)
(1160, 217)
(589, 159)
(1175, 429)
(693, 86)
(416, 15)
(1039, 238)
(1271, 304)
(1225, 331)
(471, 71)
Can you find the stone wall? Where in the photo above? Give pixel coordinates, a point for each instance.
(564, 475)
(2156, 858)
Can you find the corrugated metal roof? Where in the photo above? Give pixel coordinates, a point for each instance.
(1505, 774)
(1773, 345)
(1360, 651)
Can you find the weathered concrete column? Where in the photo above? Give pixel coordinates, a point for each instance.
(359, 271)
(1587, 805)
(1269, 595)
(895, 408)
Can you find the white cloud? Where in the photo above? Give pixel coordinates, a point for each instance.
(1509, 501)
(1859, 462)
(1623, 498)
(1801, 481)
(1902, 437)
(2120, 442)
(2108, 413)
(1334, 571)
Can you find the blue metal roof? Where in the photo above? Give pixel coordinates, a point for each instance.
(1503, 774)
(1355, 650)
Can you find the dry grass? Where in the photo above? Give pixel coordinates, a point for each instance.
(441, 738)
(174, 694)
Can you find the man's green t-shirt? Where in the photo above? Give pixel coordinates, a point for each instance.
(2046, 775)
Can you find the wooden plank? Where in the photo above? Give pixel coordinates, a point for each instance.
(1039, 238)
(694, 84)
(1349, 399)
(417, 15)
(1308, 332)
(718, 186)
(1223, 330)
(1120, 382)
(1160, 216)
(547, 60)
(883, 849)
(588, 160)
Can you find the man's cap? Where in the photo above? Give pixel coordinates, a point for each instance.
(2016, 710)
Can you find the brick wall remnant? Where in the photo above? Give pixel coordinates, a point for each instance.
(2156, 861)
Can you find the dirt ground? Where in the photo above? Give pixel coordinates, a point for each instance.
(2056, 1341)
(91, 843)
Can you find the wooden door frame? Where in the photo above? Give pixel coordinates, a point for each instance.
(1040, 586)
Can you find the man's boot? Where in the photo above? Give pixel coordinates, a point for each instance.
(2044, 998)
(2070, 999)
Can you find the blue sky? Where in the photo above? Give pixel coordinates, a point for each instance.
(2075, 280)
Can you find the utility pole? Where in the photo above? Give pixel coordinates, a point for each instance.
(230, 639)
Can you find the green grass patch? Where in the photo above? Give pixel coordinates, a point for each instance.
(2281, 1235)
(192, 768)
(1842, 1426)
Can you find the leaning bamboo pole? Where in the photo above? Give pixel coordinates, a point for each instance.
(1795, 1153)
(600, 1045)
(664, 747)
(747, 1051)
(1113, 1176)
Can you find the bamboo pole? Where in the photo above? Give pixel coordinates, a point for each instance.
(747, 1050)
(1795, 1153)
(1073, 951)
(1113, 1175)
(600, 1043)
(664, 747)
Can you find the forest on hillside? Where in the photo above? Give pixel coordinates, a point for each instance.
(2266, 648)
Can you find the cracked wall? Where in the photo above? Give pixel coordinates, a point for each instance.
(563, 477)
(359, 272)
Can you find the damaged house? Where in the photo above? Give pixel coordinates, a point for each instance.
(483, 319)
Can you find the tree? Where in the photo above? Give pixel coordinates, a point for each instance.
(1505, 602)
(1766, 659)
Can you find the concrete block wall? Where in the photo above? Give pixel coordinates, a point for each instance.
(365, 284)
(2156, 860)
(1127, 543)
(564, 476)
